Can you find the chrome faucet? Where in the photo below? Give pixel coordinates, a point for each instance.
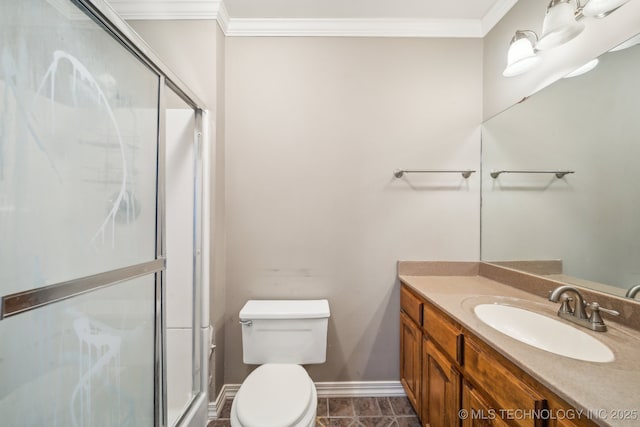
(579, 311)
(579, 315)
(631, 293)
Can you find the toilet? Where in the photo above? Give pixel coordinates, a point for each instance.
(280, 336)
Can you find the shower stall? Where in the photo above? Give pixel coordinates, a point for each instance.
(103, 304)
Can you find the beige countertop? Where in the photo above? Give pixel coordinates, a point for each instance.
(609, 391)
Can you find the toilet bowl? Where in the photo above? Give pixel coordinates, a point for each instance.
(280, 336)
(275, 395)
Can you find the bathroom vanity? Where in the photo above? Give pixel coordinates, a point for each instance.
(457, 370)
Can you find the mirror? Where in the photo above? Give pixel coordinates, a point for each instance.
(582, 227)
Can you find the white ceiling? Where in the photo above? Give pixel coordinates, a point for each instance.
(339, 18)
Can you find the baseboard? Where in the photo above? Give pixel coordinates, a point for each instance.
(360, 388)
(325, 389)
(228, 391)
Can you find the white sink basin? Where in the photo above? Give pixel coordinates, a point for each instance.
(543, 332)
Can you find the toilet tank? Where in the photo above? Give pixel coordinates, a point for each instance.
(284, 331)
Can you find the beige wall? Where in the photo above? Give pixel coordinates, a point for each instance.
(599, 36)
(315, 128)
(187, 48)
(194, 51)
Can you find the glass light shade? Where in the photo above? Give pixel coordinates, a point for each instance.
(559, 26)
(583, 69)
(601, 8)
(520, 58)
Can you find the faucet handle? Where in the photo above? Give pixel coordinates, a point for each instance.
(596, 307)
(595, 319)
(565, 307)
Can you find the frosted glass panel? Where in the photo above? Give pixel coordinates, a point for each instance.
(78, 156)
(87, 361)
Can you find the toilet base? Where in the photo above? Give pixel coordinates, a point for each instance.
(309, 419)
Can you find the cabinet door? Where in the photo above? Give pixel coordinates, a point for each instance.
(410, 343)
(476, 412)
(440, 388)
(490, 372)
(570, 422)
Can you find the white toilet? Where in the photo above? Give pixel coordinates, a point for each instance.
(280, 336)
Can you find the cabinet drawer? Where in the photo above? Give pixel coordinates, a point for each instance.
(510, 394)
(411, 305)
(444, 332)
(477, 412)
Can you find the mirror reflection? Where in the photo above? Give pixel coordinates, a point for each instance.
(582, 226)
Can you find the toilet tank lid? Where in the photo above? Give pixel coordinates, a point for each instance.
(285, 309)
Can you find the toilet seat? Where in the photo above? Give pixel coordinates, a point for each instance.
(275, 395)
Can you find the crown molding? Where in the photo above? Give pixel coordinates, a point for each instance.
(223, 17)
(240, 27)
(495, 14)
(285, 27)
(167, 9)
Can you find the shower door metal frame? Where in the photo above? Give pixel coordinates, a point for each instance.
(20, 302)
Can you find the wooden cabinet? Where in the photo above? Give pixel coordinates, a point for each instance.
(411, 305)
(563, 415)
(440, 388)
(476, 412)
(563, 423)
(411, 346)
(511, 395)
(447, 334)
(454, 379)
(410, 339)
(571, 420)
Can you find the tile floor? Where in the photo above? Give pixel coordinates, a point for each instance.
(351, 412)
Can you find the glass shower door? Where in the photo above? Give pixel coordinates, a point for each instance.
(84, 361)
(81, 267)
(78, 148)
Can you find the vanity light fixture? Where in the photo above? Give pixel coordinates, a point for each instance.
(601, 8)
(521, 56)
(561, 24)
